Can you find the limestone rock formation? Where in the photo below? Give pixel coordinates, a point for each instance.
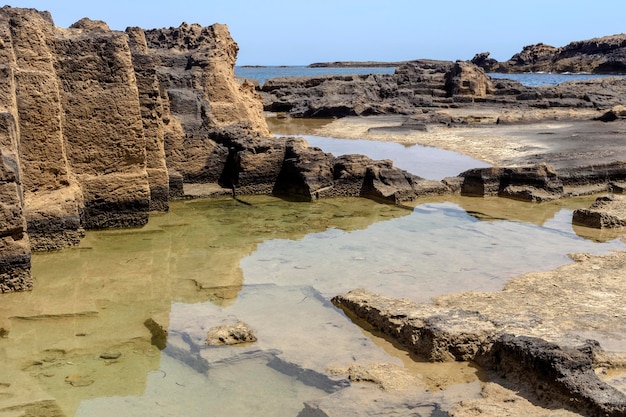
(230, 334)
(416, 84)
(535, 183)
(605, 55)
(309, 173)
(428, 86)
(467, 79)
(606, 212)
(93, 121)
(100, 127)
(203, 99)
(561, 371)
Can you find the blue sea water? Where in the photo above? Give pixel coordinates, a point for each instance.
(261, 74)
(533, 79)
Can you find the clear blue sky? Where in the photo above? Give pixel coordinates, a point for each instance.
(295, 32)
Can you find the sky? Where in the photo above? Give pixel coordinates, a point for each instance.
(280, 32)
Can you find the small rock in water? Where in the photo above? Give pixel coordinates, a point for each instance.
(110, 355)
(76, 380)
(230, 334)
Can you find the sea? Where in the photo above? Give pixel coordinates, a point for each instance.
(263, 73)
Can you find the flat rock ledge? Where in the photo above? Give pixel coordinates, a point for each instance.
(560, 371)
(542, 182)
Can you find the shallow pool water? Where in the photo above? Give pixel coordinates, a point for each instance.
(423, 161)
(83, 341)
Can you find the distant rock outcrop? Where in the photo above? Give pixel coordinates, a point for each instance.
(606, 55)
(430, 85)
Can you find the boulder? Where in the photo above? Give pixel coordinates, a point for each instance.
(567, 373)
(306, 172)
(467, 79)
(309, 173)
(615, 113)
(253, 164)
(483, 61)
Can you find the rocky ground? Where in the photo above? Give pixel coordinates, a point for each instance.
(100, 127)
(566, 307)
(563, 138)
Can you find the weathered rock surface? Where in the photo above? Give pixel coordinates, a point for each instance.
(309, 173)
(535, 183)
(557, 373)
(561, 369)
(100, 127)
(428, 86)
(606, 212)
(542, 182)
(230, 334)
(605, 55)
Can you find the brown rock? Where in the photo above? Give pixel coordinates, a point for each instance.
(196, 118)
(103, 128)
(554, 372)
(598, 55)
(466, 79)
(152, 112)
(606, 212)
(100, 118)
(306, 172)
(534, 183)
(230, 334)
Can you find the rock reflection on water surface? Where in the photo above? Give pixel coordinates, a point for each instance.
(273, 264)
(460, 245)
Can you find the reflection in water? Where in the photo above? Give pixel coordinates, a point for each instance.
(421, 255)
(78, 341)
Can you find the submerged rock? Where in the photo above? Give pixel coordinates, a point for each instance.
(230, 334)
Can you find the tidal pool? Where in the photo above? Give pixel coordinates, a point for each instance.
(83, 342)
(423, 161)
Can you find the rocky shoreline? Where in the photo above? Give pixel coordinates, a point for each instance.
(101, 127)
(605, 55)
